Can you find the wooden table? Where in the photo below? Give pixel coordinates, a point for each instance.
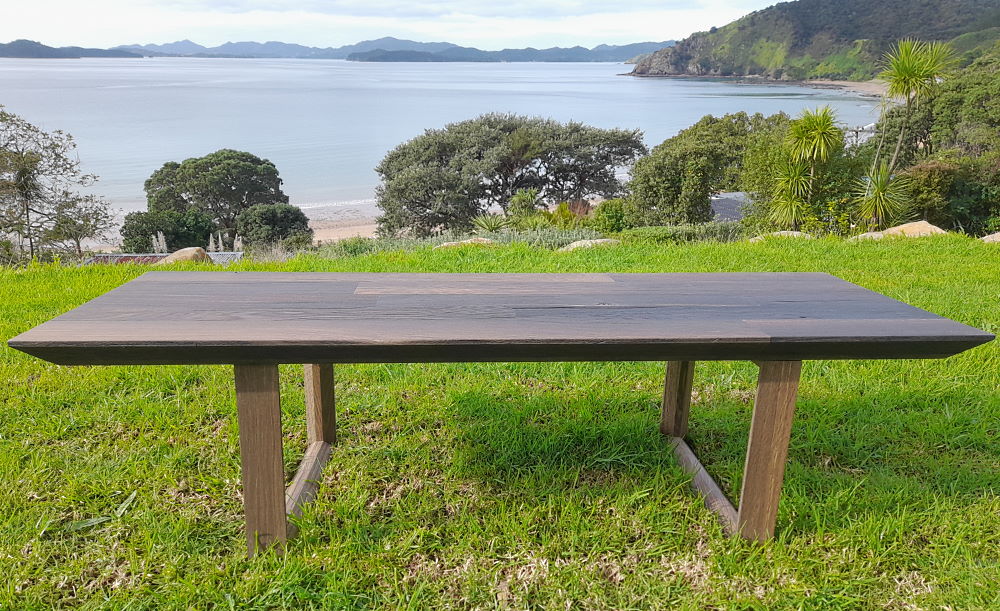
(257, 320)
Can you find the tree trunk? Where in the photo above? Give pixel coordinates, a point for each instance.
(902, 135)
(27, 229)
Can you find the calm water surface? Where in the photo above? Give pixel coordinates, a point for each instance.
(326, 124)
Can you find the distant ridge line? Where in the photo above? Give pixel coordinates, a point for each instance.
(378, 50)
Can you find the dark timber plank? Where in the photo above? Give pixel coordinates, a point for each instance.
(259, 411)
(260, 317)
(770, 430)
(676, 398)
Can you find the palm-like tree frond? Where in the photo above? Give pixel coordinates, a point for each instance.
(814, 136)
(913, 67)
(880, 196)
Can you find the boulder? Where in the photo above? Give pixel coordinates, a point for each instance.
(782, 234)
(871, 235)
(917, 229)
(195, 253)
(992, 238)
(589, 244)
(469, 242)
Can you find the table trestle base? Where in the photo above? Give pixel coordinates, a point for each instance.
(267, 502)
(767, 450)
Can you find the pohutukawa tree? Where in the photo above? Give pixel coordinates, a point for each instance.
(221, 184)
(446, 177)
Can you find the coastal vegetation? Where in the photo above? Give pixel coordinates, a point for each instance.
(444, 178)
(211, 192)
(845, 39)
(931, 156)
(42, 210)
(513, 485)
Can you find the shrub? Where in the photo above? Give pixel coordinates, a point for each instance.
(562, 217)
(526, 202)
(675, 234)
(549, 237)
(273, 223)
(490, 222)
(533, 222)
(609, 216)
(181, 229)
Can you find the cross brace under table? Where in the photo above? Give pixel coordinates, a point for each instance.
(268, 503)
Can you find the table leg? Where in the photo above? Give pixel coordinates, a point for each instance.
(321, 431)
(321, 415)
(677, 398)
(767, 451)
(259, 410)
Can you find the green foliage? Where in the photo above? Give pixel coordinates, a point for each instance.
(490, 222)
(881, 197)
(533, 222)
(444, 178)
(913, 71)
(814, 136)
(930, 186)
(800, 176)
(562, 217)
(525, 202)
(610, 216)
(273, 223)
(842, 39)
(180, 229)
(678, 234)
(41, 209)
(674, 184)
(221, 184)
(955, 123)
(914, 67)
(546, 236)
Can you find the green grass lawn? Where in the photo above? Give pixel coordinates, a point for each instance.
(514, 485)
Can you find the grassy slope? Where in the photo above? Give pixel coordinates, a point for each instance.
(515, 485)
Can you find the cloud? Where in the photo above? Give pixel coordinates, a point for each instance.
(399, 9)
(486, 25)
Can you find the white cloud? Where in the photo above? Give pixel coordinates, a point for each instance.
(487, 25)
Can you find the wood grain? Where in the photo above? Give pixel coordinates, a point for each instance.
(321, 413)
(676, 398)
(305, 483)
(703, 483)
(767, 451)
(260, 317)
(259, 410)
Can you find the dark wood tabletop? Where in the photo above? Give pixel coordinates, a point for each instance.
(261, 317)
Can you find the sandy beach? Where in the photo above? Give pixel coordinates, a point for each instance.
(331, 222)
(874, 88)
(331, 231)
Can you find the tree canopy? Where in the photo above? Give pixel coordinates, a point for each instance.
(221, 184)
(41, 208)
(272, 223)
(674, 184)
(444, 178)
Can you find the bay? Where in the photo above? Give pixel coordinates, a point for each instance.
(327, 123)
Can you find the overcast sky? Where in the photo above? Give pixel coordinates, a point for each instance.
(492, 24)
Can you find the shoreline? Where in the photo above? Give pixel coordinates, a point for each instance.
(870, 89)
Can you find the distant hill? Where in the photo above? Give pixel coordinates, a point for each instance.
(601, 53)
(283, 50)
(30, 49)
(840, 39)
(390, 49)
